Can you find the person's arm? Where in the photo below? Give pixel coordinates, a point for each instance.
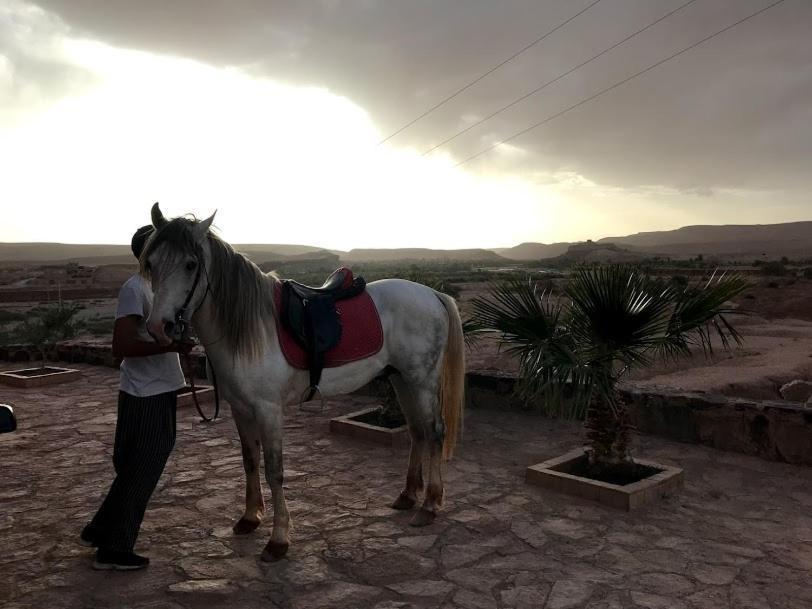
(127, 342)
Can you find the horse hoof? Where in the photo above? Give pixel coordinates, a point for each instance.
(423, 518)
(274, 551)
(403, 502)
(244, 526)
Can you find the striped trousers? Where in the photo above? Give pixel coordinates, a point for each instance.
(145, 435)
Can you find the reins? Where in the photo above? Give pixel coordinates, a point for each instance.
(182, 326)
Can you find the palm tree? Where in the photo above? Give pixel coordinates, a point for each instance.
(573, 351)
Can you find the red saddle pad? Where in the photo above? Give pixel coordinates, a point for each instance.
(361, 333)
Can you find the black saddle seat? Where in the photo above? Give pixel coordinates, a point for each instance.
(340, 284)
(310, 315)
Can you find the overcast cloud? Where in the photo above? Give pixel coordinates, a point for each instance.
(721, 134)
(735, 113)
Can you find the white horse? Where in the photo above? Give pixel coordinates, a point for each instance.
(233, 305)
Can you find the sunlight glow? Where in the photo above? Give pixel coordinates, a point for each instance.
(281, 164)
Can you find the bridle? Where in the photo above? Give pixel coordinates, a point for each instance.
(181, 327)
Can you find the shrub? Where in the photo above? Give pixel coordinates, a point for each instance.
(775, 269)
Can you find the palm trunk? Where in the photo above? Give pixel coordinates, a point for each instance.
(607, 423)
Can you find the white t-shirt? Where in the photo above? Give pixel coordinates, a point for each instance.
(153, 374)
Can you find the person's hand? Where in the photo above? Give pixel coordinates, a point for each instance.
(182, 346)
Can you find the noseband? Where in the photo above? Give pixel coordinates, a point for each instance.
(181, 327)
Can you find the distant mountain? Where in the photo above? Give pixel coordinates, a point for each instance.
(420, 254)
(533, 251)
(93, 254)
(744, 242)
(599, 252)
(267, 251)
(59, 252)
(792, 239)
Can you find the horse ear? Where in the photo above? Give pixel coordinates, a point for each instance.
(158, 220)
(202, 228)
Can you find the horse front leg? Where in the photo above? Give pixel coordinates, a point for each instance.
(251, 447)
(270, 424)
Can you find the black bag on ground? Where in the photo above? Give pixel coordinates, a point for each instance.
(7, 421)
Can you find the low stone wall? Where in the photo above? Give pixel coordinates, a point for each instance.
(97, 354)
(774, 430)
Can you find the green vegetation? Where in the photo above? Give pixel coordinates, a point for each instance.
(51, 325)
(573, 352)
(774, 269)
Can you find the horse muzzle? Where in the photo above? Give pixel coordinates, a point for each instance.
(161, 330)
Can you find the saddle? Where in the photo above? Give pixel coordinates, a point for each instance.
(310, 315)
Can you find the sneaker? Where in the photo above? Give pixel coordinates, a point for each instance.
(88, 537)
(111, 560)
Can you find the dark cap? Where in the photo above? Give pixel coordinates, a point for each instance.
(140, 239)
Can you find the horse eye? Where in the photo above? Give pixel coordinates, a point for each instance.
(190, 266)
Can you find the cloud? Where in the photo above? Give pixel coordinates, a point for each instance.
(733, 113)
(33, 70)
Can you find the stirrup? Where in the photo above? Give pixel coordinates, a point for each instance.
(307, 396)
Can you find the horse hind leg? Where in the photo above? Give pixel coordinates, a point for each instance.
(434, 489)
(414, 475)
(250, 444)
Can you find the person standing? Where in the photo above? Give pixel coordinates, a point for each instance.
(150, 376)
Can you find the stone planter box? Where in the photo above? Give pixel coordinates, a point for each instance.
(39, 377)
(205, 395)
(553, 474)
(347, 426)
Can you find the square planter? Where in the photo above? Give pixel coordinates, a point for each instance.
(347, 425)
(205, 395)
(556, 474)
(39, 377)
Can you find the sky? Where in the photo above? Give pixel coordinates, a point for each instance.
(272, 114)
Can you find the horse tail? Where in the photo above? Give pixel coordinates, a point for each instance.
(452, 378)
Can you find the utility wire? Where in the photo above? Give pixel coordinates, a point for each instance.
(556, 79)
(489, 72)
(618, 84)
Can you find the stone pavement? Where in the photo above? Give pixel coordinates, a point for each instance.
(739, 536)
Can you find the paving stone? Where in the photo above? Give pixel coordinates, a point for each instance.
(655, 601)
(565, 527)
(475, 600)
(336, 595)
(529, 532)
(220, 586)
(715, 598)
(668, 584)
(716, 575)
(423, 587)
(740, 530)
(418, 543)
(394, 567)
(454, 555)
(568, 593)
(525, 597)
(480, 579)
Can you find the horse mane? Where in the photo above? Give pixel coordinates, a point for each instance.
(242, 296)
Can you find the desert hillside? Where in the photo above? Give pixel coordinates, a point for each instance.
(793, 239)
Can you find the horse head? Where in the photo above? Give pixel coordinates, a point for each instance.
(175, 259)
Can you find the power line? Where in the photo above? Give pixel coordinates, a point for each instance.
(489, 72)
(556, 79)
(618, 84)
